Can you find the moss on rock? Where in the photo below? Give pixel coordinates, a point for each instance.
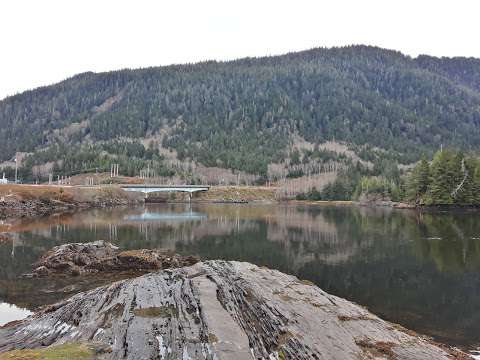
(70, 351)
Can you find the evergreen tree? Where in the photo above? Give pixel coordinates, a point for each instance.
(443, 177)
(419, 182)
(452, 178)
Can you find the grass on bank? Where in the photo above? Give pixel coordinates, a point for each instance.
(71, 351)
(66, 194)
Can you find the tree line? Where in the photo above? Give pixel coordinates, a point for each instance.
(452, 177)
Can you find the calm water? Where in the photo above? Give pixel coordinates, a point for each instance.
(419, 270)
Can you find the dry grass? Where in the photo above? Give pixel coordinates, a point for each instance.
(64, 193)
(18, 201)
(288, 188)
(61, 352)
(167, 311)
(377, 348)
(248, 193)
(354, 318)
(28, 192)
(103, 178)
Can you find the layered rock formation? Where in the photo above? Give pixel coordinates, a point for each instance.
(217, 310)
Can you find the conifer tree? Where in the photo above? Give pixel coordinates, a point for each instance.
(419, 182)
(442, 170)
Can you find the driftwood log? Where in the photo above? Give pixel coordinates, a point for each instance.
(218, 310)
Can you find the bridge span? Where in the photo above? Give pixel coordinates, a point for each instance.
(150, 188)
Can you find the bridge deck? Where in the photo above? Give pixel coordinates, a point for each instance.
(148, 188)
(165, 186)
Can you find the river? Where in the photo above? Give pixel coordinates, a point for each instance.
(421, 270)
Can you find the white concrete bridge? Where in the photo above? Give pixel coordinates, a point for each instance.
(153, 188)
(148, 188)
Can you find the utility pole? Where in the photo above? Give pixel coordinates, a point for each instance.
(16, 168)
(114, 169)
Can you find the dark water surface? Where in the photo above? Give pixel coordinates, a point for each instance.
(419, 270)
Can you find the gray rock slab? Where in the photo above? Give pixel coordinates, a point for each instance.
(220, 310)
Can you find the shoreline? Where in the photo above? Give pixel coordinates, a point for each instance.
(34, 201)
(31, 201)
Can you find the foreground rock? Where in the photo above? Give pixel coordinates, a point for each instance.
(100, 256)
(217, 310)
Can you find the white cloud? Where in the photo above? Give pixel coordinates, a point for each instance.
(46, 41)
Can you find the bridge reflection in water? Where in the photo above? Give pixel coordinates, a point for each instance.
(149, 216)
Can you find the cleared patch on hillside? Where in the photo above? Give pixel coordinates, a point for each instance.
(238, 193)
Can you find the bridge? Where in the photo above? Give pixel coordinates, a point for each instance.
(149, 188)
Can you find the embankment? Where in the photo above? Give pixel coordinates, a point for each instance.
(225, 194)
(35, 200)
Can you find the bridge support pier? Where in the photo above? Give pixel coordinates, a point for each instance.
(189, 197)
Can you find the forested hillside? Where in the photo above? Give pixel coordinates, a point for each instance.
(243, 114)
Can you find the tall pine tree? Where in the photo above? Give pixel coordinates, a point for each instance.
(419, 182)
(443, 178)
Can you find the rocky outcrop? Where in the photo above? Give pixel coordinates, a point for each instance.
(100, 256)
(218, 310)
(22, 208)
(378, 200)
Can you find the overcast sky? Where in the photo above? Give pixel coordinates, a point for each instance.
(45, 41)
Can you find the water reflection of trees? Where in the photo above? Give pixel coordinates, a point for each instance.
(450, 240)
(413, 268)
(327, 234)
(421, 271)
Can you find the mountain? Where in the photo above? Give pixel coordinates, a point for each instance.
(247, 113)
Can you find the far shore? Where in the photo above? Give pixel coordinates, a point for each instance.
(29, 201)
